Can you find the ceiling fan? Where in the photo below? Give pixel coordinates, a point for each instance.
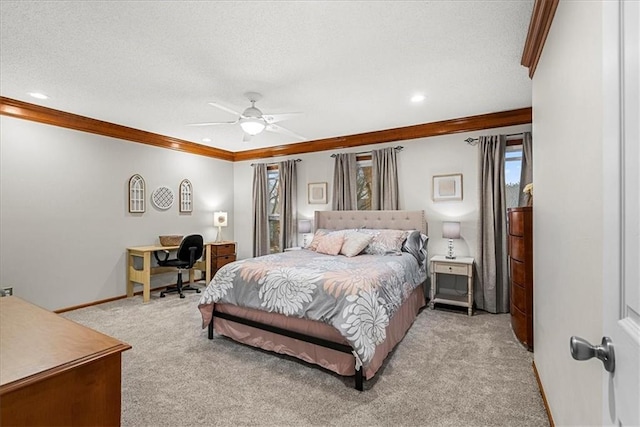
(253, 121)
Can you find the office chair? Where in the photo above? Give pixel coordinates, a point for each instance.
(189, 252)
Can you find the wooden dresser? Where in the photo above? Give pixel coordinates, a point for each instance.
(222, 253)
(521, 273)
(54, 371)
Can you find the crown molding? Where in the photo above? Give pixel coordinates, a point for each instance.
(24, 110)
(445, 127)
(539, 25)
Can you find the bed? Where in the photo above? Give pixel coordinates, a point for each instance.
(343, 313)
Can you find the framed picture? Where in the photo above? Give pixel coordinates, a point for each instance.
(447, 187)
(317, 193)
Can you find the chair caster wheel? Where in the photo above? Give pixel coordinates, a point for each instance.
(181, 295)
(197, 291)
(161, 295)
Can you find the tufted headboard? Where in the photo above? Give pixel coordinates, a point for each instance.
(396, 220)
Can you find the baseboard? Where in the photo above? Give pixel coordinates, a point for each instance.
(102, 301)
(544, 397)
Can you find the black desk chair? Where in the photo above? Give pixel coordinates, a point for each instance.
(190, 250)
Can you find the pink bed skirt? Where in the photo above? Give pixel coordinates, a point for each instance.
(340, 363)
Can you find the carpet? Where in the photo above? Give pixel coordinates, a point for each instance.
(449, 370)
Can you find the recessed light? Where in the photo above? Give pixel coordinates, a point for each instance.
(206, 139)
(38, 95)
(417, 98)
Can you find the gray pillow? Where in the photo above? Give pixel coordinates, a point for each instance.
(416, 245)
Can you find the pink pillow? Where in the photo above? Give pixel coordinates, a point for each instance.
(320, 233)
(331, 243)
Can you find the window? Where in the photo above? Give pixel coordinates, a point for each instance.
(363, 182)
(512, 167)
(273, 208)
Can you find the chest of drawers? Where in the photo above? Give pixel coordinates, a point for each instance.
(222, 253)
(521, 273)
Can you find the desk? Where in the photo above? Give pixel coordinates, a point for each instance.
(54, 371)
(144, 276)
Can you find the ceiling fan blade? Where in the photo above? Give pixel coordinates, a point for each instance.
(275, 118)
(279, 129)
(212, 123)
(223, 108)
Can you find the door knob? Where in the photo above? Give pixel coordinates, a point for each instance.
(581, 349)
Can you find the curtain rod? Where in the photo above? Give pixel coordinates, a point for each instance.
(397, 148)
(474, 141)
(270, 164)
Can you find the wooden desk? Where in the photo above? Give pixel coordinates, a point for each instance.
(54, 371)
(144, 276)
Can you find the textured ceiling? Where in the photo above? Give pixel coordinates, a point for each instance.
(349, 67)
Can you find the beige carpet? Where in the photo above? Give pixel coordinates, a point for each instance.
(450, 370)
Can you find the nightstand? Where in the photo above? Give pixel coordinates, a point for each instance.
(459, 266)
(219, 254)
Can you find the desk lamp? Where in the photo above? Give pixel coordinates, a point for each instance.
(219, 220)
(451, 230)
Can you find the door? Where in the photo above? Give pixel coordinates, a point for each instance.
(621, 155)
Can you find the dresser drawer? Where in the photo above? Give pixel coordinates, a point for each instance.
(518, 272)
(519, 325)
(223, 260)
(519, 297)
(516, 248)
(225, 249)
(458, 269)
(516, 223)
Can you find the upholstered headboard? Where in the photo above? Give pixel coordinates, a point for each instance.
(396, 220)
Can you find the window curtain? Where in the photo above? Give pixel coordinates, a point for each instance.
(493, 290)
(526, 172)
(384, 180)
(260, 215)
(344, 182)
(288, 204)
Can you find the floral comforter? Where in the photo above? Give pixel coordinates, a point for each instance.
(356, 295)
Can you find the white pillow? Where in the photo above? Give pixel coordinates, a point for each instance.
(354, 243)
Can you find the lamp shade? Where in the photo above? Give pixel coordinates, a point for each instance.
(220, 219)
(304, 226)
(252, 125)
(451, 230)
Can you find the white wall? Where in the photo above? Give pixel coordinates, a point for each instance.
(417, 163)
(64, 217)
(567, 151)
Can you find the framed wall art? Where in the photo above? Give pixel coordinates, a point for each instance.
(317, 193)
(447, 187)
(136, 194)
(186, 196)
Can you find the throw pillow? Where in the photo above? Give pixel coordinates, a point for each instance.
(331, 243)
(354, 243)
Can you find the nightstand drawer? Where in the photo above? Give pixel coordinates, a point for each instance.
(223, 260)
(451, 269)
(225, 249)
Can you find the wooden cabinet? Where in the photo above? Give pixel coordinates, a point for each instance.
(54, 371)
(521, 273)
(222, 253)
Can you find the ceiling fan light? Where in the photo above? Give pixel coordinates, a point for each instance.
(252, 126)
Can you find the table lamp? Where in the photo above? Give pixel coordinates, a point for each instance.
(304, 228)
(219, 220)
(451, 230)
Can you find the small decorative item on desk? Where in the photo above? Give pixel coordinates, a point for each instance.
(528, 191)
(172, 240)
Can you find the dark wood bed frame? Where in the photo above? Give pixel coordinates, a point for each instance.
(338, 220)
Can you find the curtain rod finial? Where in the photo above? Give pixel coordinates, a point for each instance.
(471, 141)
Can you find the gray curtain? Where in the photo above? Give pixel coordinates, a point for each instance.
(344, 182)
(526, 173)
(260, 215)
(492, 294)
(384, 180)
(288, 204)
